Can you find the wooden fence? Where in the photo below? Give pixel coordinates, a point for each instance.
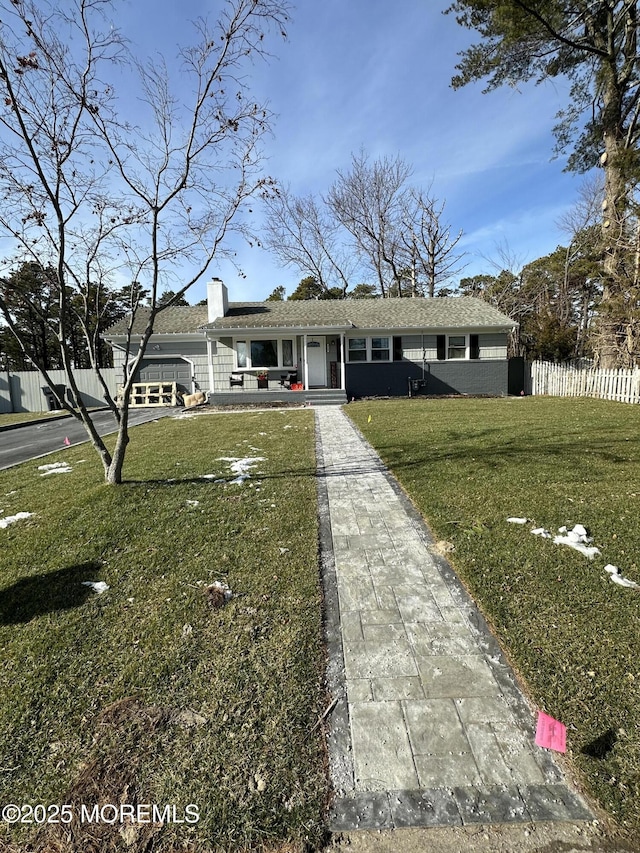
(560, 380)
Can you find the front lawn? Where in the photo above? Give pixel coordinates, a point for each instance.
(469, 464)
(25, 417)
(151, 693)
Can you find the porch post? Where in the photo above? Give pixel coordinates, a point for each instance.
(306, 362)
(210, 365)
(343, 378)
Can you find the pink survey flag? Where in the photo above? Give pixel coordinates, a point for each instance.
(551, 733)
(66, 442)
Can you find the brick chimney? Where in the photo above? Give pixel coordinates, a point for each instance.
(217, 299)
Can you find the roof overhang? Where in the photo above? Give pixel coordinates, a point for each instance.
(164, 336)
(234, 331)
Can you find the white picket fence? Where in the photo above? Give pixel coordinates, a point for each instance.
(560, 380)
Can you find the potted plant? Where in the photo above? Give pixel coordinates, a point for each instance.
(263, 379)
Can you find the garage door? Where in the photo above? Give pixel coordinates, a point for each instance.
(166, 370)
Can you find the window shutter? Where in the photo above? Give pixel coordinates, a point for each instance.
(474, 346)
(397, 349)
(441, 344)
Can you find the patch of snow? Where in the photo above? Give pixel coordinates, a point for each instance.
(577, 539)
(542, 532)
(55, 468)
(618, 577)
(622, 581)
(193, 503)
(96, 586)
(223, 588)
(241, 467)
(517, 520)
(11, 519)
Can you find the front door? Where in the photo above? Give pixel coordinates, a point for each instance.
(317, 361)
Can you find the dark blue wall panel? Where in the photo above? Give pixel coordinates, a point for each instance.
(391, 379)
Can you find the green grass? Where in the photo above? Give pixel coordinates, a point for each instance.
(572, 634)
(24, 417)
(146, 694)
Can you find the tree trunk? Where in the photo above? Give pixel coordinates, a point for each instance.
(113, 473)
(612, 320)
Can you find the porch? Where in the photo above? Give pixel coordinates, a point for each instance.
(267, 397)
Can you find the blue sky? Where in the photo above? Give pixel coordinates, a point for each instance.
(368, 73)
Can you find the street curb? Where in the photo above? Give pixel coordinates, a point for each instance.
(53, 418)
(6, 427)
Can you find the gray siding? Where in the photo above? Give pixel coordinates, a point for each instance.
(23, 392)
(195, 350)
(6, 406)
(224, 366)
(492, 346)
(442, 377)
(486, 375)
(412, 347)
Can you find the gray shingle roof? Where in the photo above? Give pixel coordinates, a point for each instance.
(452, 312)
(419, 313)
(179, 319)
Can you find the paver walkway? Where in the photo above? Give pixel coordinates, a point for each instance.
(430, 727)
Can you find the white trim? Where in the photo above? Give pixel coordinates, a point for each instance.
(368, 350)
(278, 339)
(193, 373)
(317, 342)
(210, 364)
(467, 344)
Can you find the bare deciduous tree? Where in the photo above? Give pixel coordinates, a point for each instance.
(96, 197)
(429, 243)
(301, 235)
(369, 201)
(371, 223)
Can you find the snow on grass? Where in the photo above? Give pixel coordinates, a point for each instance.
(96, 586)
(55, 468)
(11, 519)
(240, 466)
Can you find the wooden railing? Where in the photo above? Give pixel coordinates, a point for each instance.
(152, 394)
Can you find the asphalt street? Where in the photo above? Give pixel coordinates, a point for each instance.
(39, 439)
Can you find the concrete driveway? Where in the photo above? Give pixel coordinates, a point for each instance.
(33, 440)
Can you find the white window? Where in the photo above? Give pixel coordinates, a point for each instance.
(457, 346)
(265, 352)
(287, 353)
(379, 349)
(452, 347)
(357, 349)
(369, 349)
